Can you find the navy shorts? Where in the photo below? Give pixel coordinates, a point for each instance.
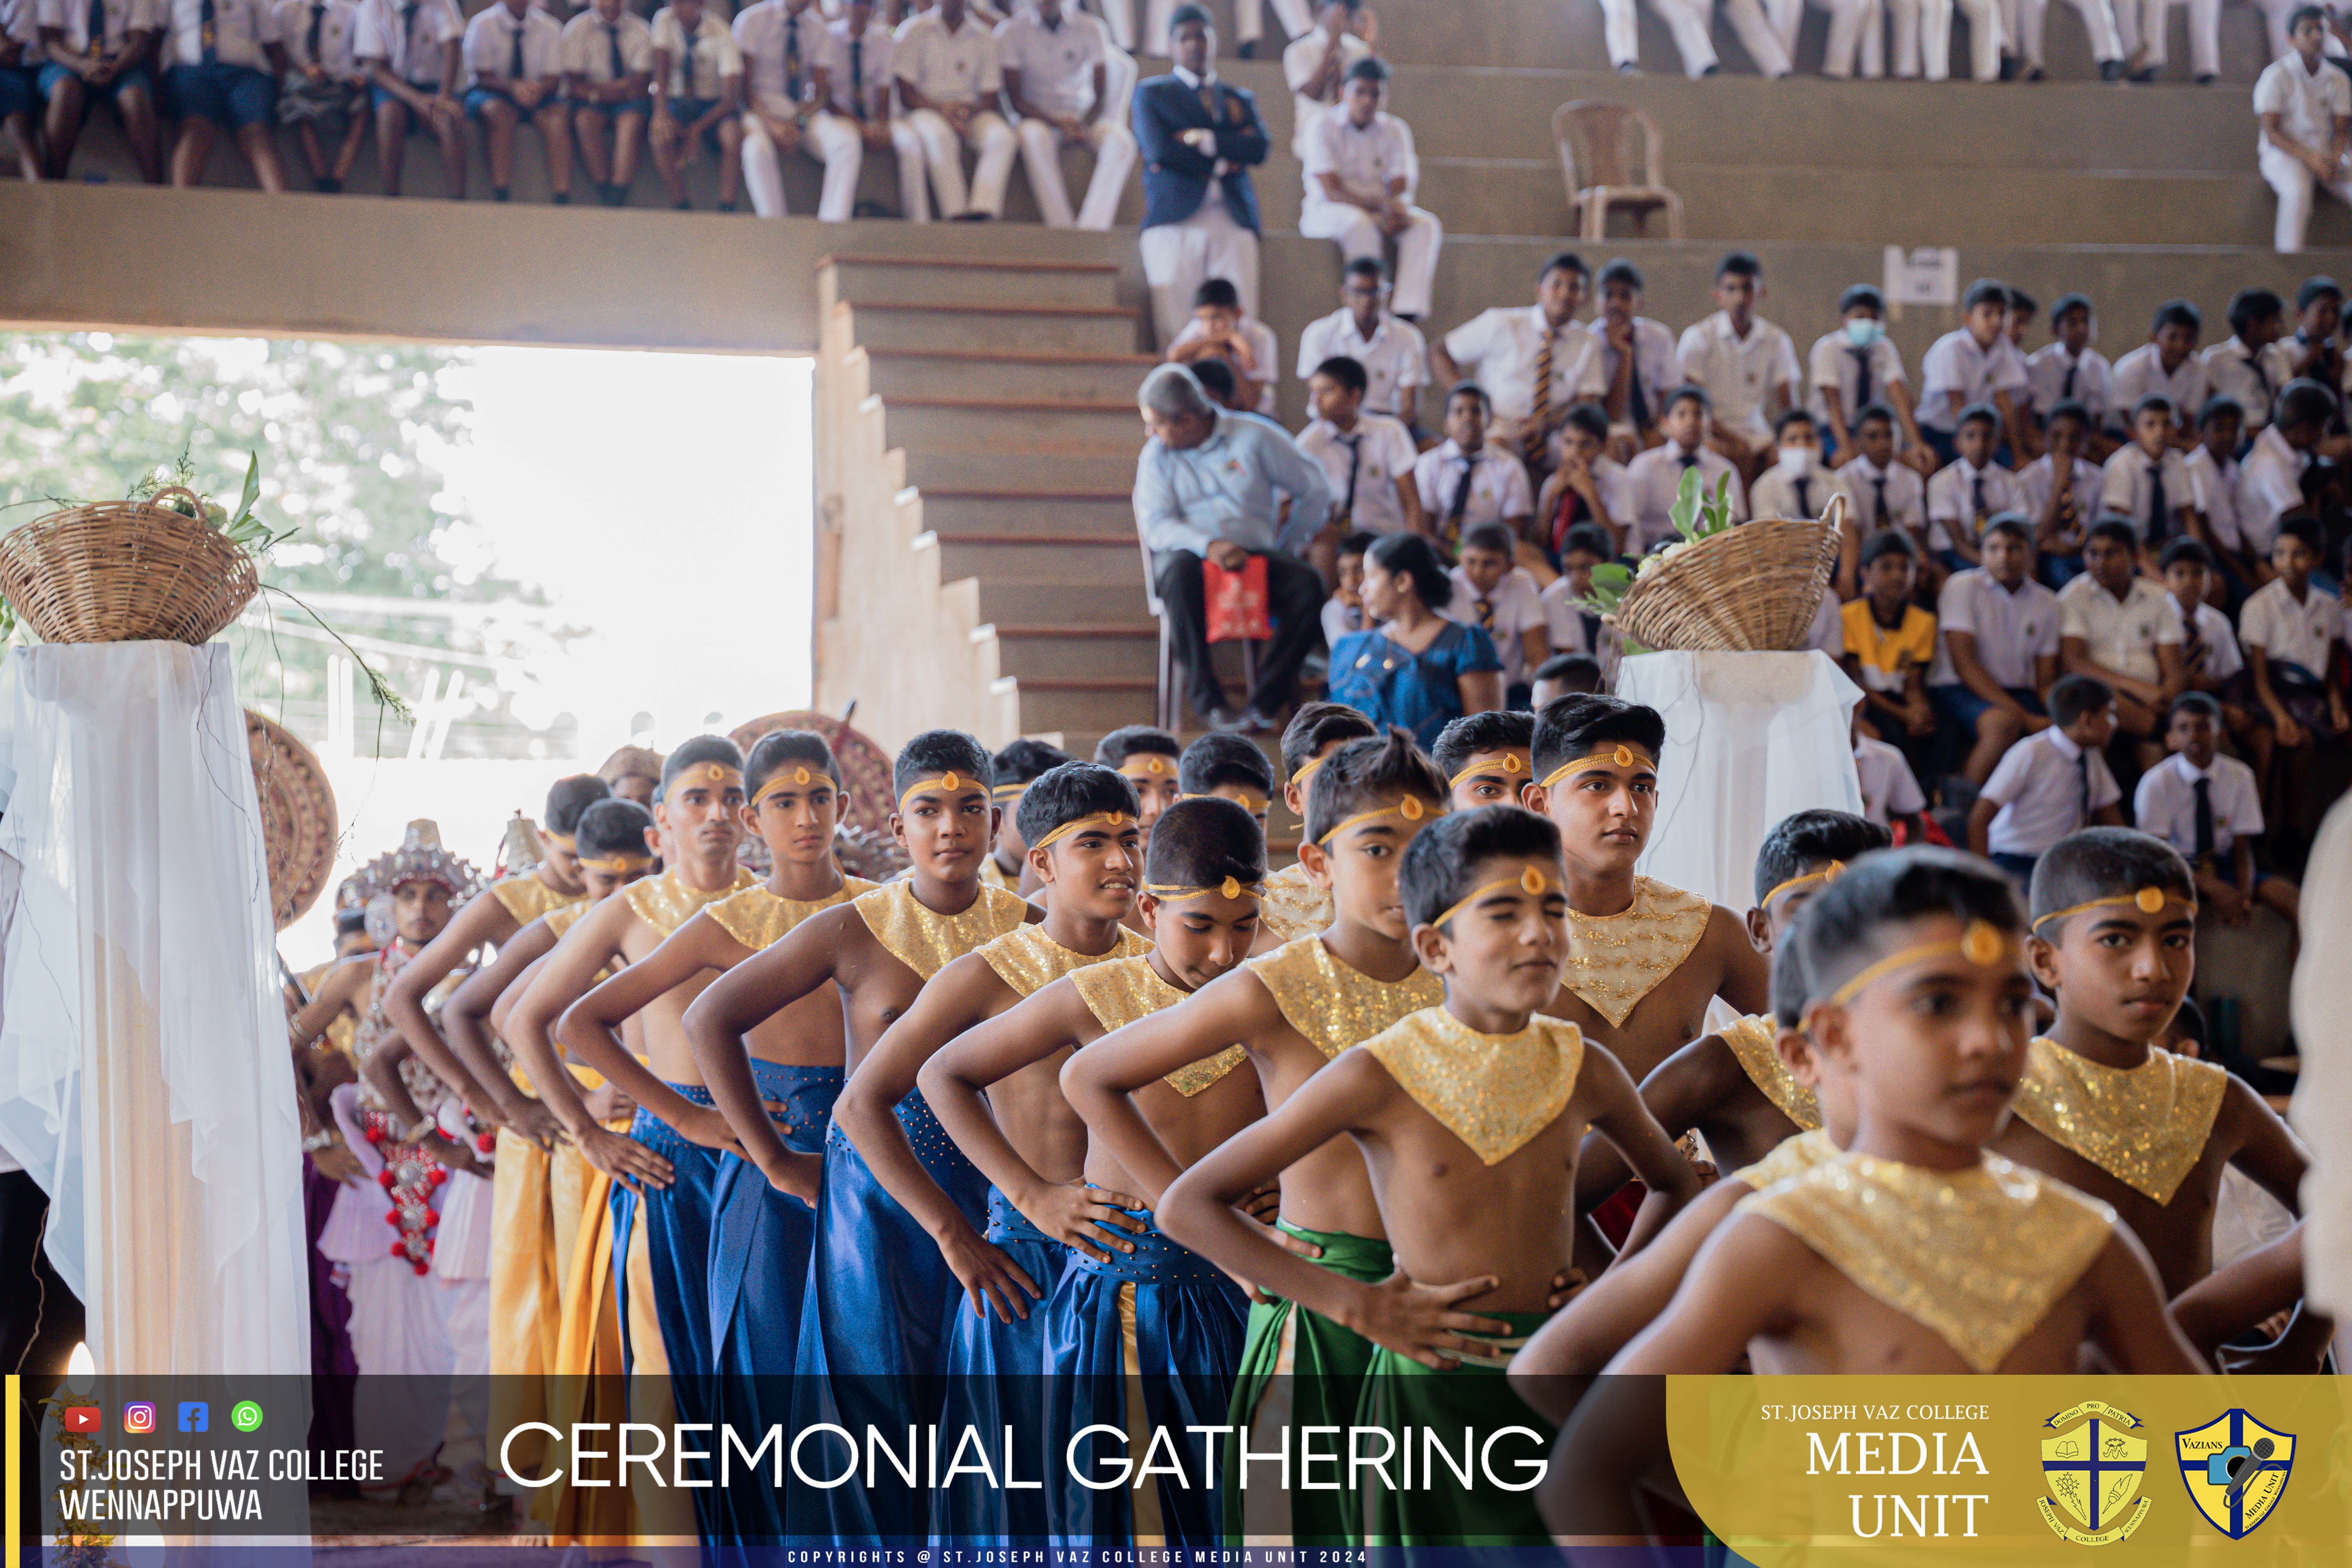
(18, 93)
(52, 74)
(612, 112)
(233, 96)
(1961, 707)
(379, 96)
(686, 110)
(479, 99)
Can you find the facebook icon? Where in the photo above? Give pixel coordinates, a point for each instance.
(195, 1415)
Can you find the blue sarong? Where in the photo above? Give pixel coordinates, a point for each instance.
(1189, 1324)
(874, 1336)
(996, 1378)
(760, 1243)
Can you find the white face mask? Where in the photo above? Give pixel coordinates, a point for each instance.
(1861, 332)
(1799, 462)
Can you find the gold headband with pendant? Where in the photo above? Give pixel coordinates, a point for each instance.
(1004, 795)
(1232, 888)
(1983, 944)
(800, 777)
(1307, 769)
(2148, 900)
(618, 865)
(1623, 756)
(1412, 808)
(950, 782)
(1148, 766)
(1248, 801)
(1116, 821)
(563, 841)
(1530, 881)
(1509, 767)
(718, 775)
(1828, 873)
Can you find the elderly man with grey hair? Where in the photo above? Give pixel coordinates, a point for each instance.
(1209, 486)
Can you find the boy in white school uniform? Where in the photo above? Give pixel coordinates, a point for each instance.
(2290, 629)
(1890, 790)
(2212, 662)
(2059, 492)
(1885, 493)
(1221, 329)
(2271, 475)
(1798, 484)
(2210, 808)
(1588, 489)
(1975, 362)
(1505, 601)
(861, 93)
(1568, 627)
(697, 98)
(1367, 458)
(1747, 366)
(1854, 366)
(2212, 466)
(608, 67)
(1391, 351)
(324, 95)
(1995, 647)
(2051, 782)
(513, 51)
(411, 55)
(1537, 361)
(2120, 627)
(1637, 359)
(1360, 173)
(948, 76)
(1655, 476)
(74, 53)
(1468, 479)
(1969, 491)
(2252, 364)
(1056, 64)
(2165, 366)
(1315, 63)
(225, 60)
(2304, 106)
(2146, 481)
(784, 44)
(2067, 369)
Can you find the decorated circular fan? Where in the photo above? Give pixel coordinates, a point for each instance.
(297, 817)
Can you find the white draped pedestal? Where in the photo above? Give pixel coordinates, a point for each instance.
(1750, 738)
(144, 1080)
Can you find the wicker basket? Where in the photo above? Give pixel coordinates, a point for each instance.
(1751, 589)
(125, 570)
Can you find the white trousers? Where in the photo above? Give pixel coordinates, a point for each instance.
(1846, 22)
(1687, 20)
(1121, 74)
(1923, 38)
(2110, 27)
(2295, 185)
(1756, 36)
(1041, 155)
(990, 137)
(1621, 31)
(2204, 34)
(828, 139)
(1359, 234)
(1178, 257)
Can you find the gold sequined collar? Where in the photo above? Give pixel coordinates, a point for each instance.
(1294, 907)
(2145, 1126)
(526, 898)
(1614, 961)
(1126, 989)
(564, 920)
(1333, 1006)
(1495, 1092)
(927, 941)
(1750, 1039)
(1978, 1257)
(1790, 1157)
(666, 903)
(1028, 960)
(759, 918)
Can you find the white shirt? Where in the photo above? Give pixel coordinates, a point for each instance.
(339, 27)
(1905, 494)
(1394, 357)
(2213, 490)
(1339, 619)
(1655, 476)
(1837, 364)
(1497, 349)
(1568, 630)
(2251, 377)
(1515, 607)
(241, 29)
(1498, 486)
(945, 66)
(1953, 512)
(2045, 377)
(2165, 805)
(2037, 478)
(1383, 453)
(2270, 484)
(763, 35)
(1957, 364)
(1264, 351)
(1056, 64)
(2307, 102)
(1364, 157)
(1740, 375)
(2141, 374)
(1889, 789)
(2121, 634)
(2039, 788)
(413, 54)
(2223, 658)
(587, 54)
(876, 49)
(2126, 483)
(696, 70)
(122, 18)
(1301, 60)
(20, 23)
(1775, 494)
(2013, 627)
(1655, 370)
(2291, 632)
(489, 44)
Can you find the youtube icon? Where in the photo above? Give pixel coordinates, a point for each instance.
(82, 1418)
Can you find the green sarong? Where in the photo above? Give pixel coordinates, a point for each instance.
(1408, 1399)
(1325, 1383)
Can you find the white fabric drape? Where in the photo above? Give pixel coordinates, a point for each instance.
(2323, 1090)
(1750, 738)
(144, 1078)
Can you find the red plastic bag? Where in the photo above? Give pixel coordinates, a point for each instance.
(1235, 600)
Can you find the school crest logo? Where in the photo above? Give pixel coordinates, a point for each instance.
(2092, 1464)
(2235, 1469)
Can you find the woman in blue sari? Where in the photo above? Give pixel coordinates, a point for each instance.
(1413, 667)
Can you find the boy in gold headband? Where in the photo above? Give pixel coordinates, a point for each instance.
(863, 1356)
(1486, 757)
(1919, 1250)
(2102, 1107)
(1468, 1115)
(1232, 766)
(1148, 759)
(1199, 902)
(1015, 768)
(1294, 906)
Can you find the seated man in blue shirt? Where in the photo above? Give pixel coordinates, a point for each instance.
(1210, 486)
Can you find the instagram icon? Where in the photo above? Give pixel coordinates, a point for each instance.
(139, 1417)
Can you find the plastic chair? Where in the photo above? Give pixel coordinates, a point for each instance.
(1612, 156)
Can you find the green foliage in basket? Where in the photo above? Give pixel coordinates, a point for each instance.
(1695, 514)
(245, 529)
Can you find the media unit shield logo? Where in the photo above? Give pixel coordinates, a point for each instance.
(2235, 1469)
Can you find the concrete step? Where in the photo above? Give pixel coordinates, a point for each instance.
(896, 373)
(1080, 561)
(1056, 473)
(1067, 651)
(910, 321)
(864, 278)
(1007, 601)
(1110, 514)
(1097, 705)
(1007, 426)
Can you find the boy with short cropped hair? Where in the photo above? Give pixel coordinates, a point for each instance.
(1470, 481)
(2250, 364)
(1148, 759)
(1588, 489)
(2166, 365)
(1969, 490)
(2213, 475)
(1890, 643)
(1886, 493)
(1232, 767)
(1486, 757)
(2271, 480)
(2067, 369)
(1637, 359)
(1568, 627)
(1367, 458)
(2303, 110)
(1746, 365)
(2290, 629)
(1343, 612)
(1655, 476)
(1391, 351)
(1856, 366)
(2209, 807)
(1798, 484)
(1360, 171)
(1014, 769)
(1503, 600)
(2101, 1107)
(2051, 783)
(2146, 481)
(2210, 660)
(1294, 905)
(1997, 647)
(1220, 329)
(1568, 675)
(2119, 626)
(2059, 493)
(1975, 363)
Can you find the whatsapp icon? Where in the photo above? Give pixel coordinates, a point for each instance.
(244, 1416)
